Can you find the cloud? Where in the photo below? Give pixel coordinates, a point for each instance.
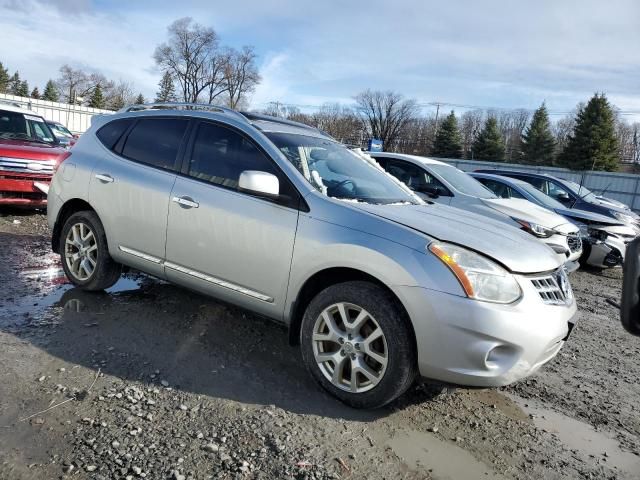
(502, 53)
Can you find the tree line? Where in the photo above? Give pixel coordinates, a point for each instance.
(593, 137)
(195, 67)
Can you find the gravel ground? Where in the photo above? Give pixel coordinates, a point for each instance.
(152, 381)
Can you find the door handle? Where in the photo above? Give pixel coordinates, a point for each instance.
(186, 202)
(104, 177)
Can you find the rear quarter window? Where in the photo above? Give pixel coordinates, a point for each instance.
(110, 133)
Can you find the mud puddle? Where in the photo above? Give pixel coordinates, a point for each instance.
(579, 436)
(443, 460)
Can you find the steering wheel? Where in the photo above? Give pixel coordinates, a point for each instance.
(340, 185)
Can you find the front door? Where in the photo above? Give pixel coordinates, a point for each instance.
(228, 243)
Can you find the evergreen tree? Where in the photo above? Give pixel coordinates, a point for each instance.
(538, 142)
(4, 79)
(166, 91)
(489, 144)
(14, 84)
(50, 92)
(23, 89)
(593, 144)
(448, 143)
(35, 93)
(97, 99)
(140, 99)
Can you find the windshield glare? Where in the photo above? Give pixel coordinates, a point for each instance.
(582, 191)
(461, 181)
(19, 126)
(337, 172)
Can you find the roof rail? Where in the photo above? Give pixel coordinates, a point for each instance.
(182, 106)
(269, 118)
(13, 103)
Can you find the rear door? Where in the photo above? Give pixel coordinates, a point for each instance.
(131, 185)
(225, 242)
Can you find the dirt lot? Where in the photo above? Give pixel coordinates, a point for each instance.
(152, 381)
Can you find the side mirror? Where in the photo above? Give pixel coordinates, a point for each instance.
(563, 198)
(630, 304)
(259, 183)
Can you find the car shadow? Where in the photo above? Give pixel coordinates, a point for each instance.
(143, 325)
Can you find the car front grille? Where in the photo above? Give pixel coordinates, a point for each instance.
(25, 165)
(575, 242)
(553, 288)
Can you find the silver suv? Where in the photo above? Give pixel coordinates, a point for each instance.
(375, 285)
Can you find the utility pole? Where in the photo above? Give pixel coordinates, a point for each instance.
(437, 104)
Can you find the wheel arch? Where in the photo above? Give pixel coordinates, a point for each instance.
(325, 278)
(69, 208)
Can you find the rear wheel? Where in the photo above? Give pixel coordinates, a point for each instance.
(357, 344)
(85, 256)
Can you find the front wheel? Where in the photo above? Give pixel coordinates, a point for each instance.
(358, 345)
(85, 256)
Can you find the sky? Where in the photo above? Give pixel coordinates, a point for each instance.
(491, 53)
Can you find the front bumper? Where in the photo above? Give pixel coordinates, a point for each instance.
(467, 342)
(568, 249)
(18, 189)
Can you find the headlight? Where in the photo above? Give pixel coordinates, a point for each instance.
(481, 278)
(535, 229)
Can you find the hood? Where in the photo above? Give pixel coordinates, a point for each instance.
(528, 211)
(515, 249)
(589, 218)
(29, 150)
(610, 202)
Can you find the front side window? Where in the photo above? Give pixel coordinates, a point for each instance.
(499, 188)
(337, 172)
(155, 141)
(415, 177)
(220, 155)
(21, 126)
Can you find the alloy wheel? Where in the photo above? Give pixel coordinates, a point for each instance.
(81, 251)
(349, 347)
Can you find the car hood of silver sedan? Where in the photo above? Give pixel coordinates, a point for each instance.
(518, 251)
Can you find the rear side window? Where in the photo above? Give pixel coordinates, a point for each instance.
(112, 131)
(155, 141)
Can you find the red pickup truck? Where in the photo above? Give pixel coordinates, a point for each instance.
(29, 153)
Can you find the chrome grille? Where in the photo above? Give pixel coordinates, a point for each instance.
(553, 288)
(575, 242)
(25, 165)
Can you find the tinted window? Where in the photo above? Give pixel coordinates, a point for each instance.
(499, 188)
(220, 155)
(155, 141)
(414, 177)
(112, 131)
(461, 181)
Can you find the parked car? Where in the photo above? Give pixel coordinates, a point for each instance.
(62, 134)
(374, 284)
(28, 155)
(604, 239)
(630, 301)
(442, 183)
(573, 195)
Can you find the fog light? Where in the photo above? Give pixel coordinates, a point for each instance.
(499, 357)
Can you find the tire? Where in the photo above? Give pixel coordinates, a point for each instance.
(332, 357)
(92, 252)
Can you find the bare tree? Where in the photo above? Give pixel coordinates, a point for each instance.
(119, 95)
(241, 74)
(76, 83)
(471, 123)
(216, 75)
(385, 114)
(188, 56)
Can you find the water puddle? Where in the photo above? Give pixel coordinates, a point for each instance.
(580, 436)
(443, 460)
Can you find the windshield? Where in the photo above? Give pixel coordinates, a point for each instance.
(543, 199)
(19, 126)
(582, 191)
(461, 181)
(61, 129)
(337, 172)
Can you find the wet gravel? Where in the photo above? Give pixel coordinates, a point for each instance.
(158, 382)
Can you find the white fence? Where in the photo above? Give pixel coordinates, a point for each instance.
(75, 117)
(624, 187)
